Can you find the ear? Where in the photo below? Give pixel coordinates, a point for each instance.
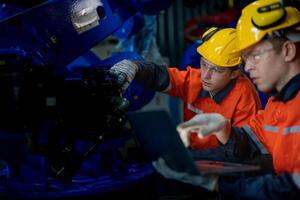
(234, 74)
(289, 50)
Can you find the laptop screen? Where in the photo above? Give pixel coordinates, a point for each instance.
(159, 138)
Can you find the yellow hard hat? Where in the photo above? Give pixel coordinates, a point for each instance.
(264, 17)
(219, 47)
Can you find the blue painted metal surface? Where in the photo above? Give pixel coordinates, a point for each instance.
(59, 34)
(25, 176)
(48, 32)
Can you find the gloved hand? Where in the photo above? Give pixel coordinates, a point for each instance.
(205, 124)
(125, 71)
(207, 182)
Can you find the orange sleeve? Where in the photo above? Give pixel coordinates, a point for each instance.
(256, 125)
(248, 106)
(184, 82)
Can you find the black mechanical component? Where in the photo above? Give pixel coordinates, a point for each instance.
(93, 105)
(62, 107)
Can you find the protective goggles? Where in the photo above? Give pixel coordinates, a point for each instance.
(210, 34)
(269, 15)
(274, 14)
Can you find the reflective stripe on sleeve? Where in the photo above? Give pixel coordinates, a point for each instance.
(296, 179)
(271, 128)
(291, 129)
(194, 109)
(255, 139)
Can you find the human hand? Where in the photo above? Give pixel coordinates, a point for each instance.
(205, 124)
(207, 182)
(124, 71)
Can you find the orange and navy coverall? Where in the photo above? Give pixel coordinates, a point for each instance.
(276, 131)
(238, 101)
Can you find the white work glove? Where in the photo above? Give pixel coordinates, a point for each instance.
(125, 71)
(207, 182)
(205, 124)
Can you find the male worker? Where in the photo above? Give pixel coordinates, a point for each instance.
(218, 86)
(269, 37)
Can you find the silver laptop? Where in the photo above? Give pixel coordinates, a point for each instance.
(158, 137)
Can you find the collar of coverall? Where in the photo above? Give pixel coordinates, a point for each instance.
(221, 94)
(289, 91)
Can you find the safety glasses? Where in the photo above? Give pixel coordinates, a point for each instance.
(255, 57)
(205, 66)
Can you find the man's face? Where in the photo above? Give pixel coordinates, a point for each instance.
(264, 66)
(214, 78)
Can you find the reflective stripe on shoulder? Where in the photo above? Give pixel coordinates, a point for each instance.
(255, 139)
(291, 129)
(194, 109)
(296, 179)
